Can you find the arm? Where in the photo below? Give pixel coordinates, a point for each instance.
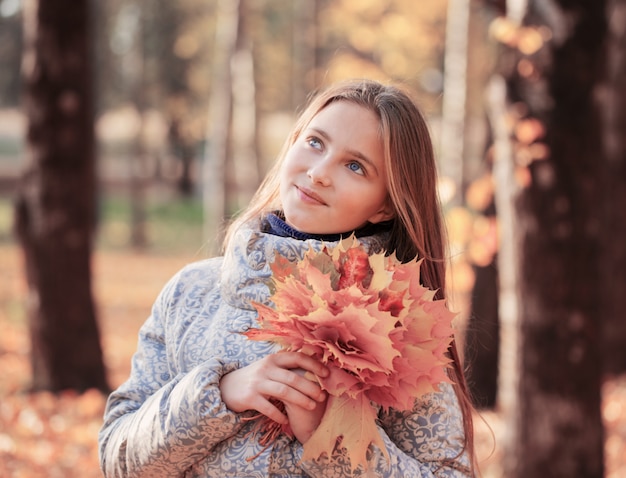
(418, 442)
(157, 424)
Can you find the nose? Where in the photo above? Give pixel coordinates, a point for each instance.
(319, 173)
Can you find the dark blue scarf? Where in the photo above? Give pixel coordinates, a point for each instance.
(275, 224)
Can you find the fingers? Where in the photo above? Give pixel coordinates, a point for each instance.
(248, 389)
(270, 410)
(300, 372)
(304, 422)
(294, 360)
(290, 385)
(289, 377)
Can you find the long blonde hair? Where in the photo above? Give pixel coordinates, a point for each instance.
(417, 228)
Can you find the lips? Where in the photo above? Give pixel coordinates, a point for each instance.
(310, 196)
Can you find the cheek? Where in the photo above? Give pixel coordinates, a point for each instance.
(371, 198)
(356, 209)
(283, 185)
(378, 206)
(290, 165)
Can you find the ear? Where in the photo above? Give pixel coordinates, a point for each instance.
(385, 213)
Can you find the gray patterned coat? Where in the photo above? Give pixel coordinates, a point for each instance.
(168, 419)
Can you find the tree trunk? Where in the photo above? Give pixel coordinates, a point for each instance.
(129, 24)
(55, 210)
(304, 61)
(560, 431)
(183, 150)
(454, 96)
(481, 338)
(245, 166)
(135, 76)
(220, 115)
(508, 260)
(614, 259)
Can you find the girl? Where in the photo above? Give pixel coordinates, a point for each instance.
(359, 160)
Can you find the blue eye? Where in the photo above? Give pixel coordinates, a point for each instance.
(314, 143)
(356, 167)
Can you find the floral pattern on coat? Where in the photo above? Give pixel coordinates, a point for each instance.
(168, 418)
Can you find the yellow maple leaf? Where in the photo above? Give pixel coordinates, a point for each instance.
(352, 419)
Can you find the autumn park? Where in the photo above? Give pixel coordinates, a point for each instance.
(132, 132)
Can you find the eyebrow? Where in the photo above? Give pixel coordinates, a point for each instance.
(352, 152)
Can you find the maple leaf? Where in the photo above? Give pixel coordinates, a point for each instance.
(354, 267)
(392, 301)
(322, 261)
(294, 297)
(381, 273)
(354, 421)
(283, 267)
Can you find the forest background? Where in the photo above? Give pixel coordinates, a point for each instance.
(191, 101)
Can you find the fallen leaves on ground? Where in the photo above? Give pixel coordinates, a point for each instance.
(55, 435)
(43, 435)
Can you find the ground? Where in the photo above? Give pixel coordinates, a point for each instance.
(46, 435)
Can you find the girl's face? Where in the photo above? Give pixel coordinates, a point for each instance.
(333, 177)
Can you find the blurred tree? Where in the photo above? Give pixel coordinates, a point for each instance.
(55, 210)
(304, 57)
(220, 117)
(481, 348)
(483, 329)
(10, 51)
(154, 57)
(454, 108)
(555, 67)
(613, 94)
(178, 50)
(243, 175)
(132, 22)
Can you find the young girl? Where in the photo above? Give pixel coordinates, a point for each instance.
(359, 160)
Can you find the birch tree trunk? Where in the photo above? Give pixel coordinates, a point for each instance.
(304, 58)
(219, 128)
(244, 124)
(454, 94)
(506, 194)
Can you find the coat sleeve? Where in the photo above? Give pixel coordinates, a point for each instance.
(422, 443)
(157, 423)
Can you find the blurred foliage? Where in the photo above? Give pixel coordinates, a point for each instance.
(153, 71)
(10, 52)
(174, 224)
(156, 55)
(6, 219)
(382, 39)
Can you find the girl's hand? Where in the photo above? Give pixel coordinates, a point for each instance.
(303, 421)
(277, 376)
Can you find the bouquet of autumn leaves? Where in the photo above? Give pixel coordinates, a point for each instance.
(367, 317)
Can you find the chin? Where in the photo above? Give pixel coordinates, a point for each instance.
(308, 230)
